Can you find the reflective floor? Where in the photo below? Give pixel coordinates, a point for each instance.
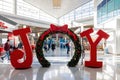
(59, 71)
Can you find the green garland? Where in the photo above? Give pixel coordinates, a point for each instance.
(39, 52)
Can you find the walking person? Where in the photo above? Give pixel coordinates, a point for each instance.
(68, 47)
(53, 46)
(20, 45)
(82, 53)
(45, 46)
(7, 49)
(49, 42)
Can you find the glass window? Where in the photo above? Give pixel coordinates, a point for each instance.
(61, 21)
(104, 13)
(66, 18)
(110, 6)
(107, 9)
(71, 16)
(27, 10)
(117, 4)
(91, 11)
(78, 13)
(44, 16)
(82, 12)
(7, 6)
(104, 10)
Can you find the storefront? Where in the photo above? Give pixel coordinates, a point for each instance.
(5, 34)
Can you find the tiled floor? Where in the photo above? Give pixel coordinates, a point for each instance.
(59, 71)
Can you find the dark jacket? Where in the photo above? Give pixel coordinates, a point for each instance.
(7, 46)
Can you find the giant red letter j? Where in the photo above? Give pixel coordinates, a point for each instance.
(25, 54)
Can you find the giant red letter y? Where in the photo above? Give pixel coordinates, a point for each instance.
(93, 47)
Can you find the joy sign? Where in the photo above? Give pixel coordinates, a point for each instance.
(17, 54)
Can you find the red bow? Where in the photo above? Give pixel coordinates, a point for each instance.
(55, 28)
(45, 33)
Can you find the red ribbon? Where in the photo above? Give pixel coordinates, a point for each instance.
(55, 28)
(44, 34)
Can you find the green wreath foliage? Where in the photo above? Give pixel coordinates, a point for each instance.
(39, 52)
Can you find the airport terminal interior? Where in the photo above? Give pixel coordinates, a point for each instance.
(67, 20)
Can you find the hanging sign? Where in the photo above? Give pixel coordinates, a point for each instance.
(2, 25)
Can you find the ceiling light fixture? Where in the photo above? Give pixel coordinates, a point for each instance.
(56, 3)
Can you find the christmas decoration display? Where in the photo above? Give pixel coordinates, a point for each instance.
(58, 29)
(93, 47)
(17, 55)
(22, 59)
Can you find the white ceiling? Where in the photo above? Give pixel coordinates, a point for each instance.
(66, 6)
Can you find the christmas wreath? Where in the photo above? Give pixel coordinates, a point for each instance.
(58, 29)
